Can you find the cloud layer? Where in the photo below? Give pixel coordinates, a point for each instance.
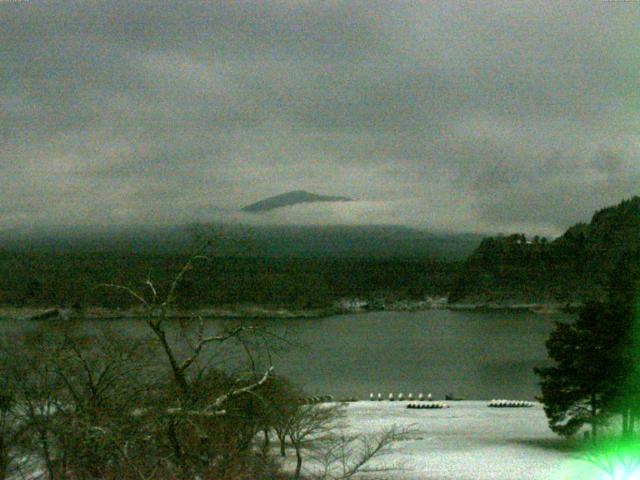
(459, 116)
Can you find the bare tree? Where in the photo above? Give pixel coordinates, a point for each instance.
(11, 429)
(205, 399)
(319, 431)
(35, 393)
(101, 379)
(310, 424)
(282, 403)
(99, 405)
(65, 388)
(342, 456)
(157, 309)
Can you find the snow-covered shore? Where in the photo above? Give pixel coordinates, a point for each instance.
(470, 441)
(269, 312)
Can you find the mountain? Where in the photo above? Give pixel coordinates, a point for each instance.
(275, 263)
(266, 241)
(346, 241)
(290, 198)
(573, 267)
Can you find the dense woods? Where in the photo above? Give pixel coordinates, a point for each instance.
(68, 279)
(572, 268)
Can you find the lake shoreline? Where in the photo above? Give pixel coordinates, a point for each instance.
(255, 312)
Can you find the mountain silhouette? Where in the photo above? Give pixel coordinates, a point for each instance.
(290, 198)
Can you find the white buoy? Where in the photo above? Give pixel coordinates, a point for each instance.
(420, 397)
(410, 397)
(429, 398)
(391, 397)
(379, 397)
(371, 397)
(400, 396)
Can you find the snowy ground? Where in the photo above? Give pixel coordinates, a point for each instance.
(470, 441)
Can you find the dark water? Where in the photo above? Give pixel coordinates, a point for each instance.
(472, 355)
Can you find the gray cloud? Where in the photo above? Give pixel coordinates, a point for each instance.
(450, 115)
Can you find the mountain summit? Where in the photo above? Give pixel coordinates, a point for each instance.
(290, 198)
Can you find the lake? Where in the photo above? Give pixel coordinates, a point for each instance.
(472, 355)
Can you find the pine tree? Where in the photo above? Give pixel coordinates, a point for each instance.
(575, 391)
(597, 359)
(624, 299)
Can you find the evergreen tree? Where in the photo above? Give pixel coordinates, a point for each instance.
(575, 390)
(597, 359)
(623, 298)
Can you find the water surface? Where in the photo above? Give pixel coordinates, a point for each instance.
(472, 355)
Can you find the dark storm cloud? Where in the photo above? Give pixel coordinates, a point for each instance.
(454, 115)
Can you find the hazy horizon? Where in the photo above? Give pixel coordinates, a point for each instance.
(452, 116)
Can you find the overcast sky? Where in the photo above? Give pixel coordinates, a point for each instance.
(461, 116)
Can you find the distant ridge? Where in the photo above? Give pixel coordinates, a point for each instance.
(290, 198)
(246, 240)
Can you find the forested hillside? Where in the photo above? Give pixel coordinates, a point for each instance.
(573, 267)
(70, 279)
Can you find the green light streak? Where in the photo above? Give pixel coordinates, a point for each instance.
(615, 459)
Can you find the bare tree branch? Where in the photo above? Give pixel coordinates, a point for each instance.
(205, 340)
(197, 255)
(221, 400)
(154, 292)
(128, 290)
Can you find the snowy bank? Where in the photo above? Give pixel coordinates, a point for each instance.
(470, 441)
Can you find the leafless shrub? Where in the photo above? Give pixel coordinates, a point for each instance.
(11, 429)
(342, 456)
(311, 424)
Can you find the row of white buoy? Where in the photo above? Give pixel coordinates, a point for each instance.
(428, 405)
(401, 398)
(500, 403)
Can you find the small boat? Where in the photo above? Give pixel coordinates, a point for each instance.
(451, 397)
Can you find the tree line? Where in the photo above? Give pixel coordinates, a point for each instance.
(574, 267)
(68, 279)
